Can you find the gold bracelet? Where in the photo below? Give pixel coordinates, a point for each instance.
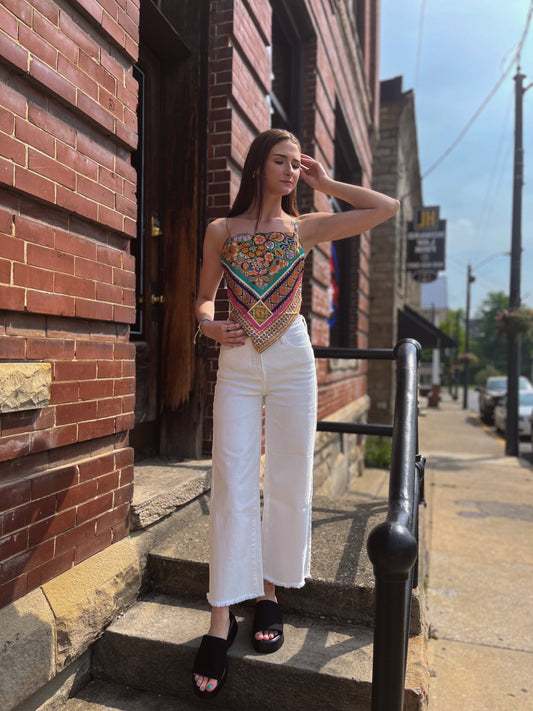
(199, 331)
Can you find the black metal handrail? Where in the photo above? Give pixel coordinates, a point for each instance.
(393, 545)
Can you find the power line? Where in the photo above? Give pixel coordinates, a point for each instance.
(468, 125)
(524, 34)
(515, 58)
(455, 262)
(419, 44)
(495, 181)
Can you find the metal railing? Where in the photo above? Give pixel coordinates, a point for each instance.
(392, 545)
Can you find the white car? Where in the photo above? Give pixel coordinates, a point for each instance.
(525, 413)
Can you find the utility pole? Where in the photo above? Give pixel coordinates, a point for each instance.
(456, 372)
(514, 341)
(469, 279)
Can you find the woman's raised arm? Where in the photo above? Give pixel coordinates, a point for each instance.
(370, 208)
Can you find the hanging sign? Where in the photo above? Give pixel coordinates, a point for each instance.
(426, 239)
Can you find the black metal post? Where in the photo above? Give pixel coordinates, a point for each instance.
(469, 279)
(392, 545)
(393, 549)
(513, 344)
(456, 374)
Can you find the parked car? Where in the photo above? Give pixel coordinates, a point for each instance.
(525, 413)
(495, 388)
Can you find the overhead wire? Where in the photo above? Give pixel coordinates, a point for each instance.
(515, 58)
(465, 130)
(524, 34)
(419, 43)
(496, 177)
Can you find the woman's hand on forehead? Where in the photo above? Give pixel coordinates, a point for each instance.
(312, 171)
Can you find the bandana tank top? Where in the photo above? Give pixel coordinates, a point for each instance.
(263, 274)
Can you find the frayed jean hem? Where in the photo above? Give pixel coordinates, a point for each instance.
(279, 584)
(234, 601)
(243, 598)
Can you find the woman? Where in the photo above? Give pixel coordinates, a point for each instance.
(265, 358)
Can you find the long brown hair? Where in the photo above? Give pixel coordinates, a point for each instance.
(251, 187)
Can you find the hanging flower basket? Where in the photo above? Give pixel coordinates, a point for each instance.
(469, 359)
(518, 321)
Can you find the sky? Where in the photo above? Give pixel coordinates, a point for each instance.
(452, 65)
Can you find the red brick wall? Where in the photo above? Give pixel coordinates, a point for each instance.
(335, 51)
(67, 283)
(238, 109)
(239, 71)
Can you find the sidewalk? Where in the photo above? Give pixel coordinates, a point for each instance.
(480, 574)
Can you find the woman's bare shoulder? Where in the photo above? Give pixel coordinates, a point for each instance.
(218, 225)
(217, 230)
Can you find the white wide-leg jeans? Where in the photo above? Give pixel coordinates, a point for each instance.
(244, 550)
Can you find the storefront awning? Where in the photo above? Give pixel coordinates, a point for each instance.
(412, 325)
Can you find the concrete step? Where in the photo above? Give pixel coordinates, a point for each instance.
(322, 665)
(341, 586)
(105, 696)
(162, 485)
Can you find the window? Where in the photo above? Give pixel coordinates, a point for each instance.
(344, 262)
(289, 26)
(359, 13)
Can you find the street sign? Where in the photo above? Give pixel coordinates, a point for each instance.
(426, 239)
(425, 276)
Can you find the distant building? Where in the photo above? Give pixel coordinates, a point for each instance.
(434, 300)
(396, 172)
(395, 296)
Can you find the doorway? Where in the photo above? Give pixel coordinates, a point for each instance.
(147, 250)
(171, 165)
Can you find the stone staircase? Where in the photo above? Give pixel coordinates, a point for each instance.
(143, 660)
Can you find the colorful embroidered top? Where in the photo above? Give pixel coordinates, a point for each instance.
(264, 277)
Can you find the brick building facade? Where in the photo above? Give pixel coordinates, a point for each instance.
(121, 136)
(396, 171)
(68, 124)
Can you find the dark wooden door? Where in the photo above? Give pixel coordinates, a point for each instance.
(147, 249)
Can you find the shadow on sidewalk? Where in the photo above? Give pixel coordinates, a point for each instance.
(456, 463)
(474, 421)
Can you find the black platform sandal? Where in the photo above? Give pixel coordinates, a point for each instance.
(211, 659)
(267, 617)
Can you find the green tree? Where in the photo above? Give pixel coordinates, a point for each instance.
(489, 344)
(454, 326)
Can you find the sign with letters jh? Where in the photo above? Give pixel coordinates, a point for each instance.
(426, 238)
